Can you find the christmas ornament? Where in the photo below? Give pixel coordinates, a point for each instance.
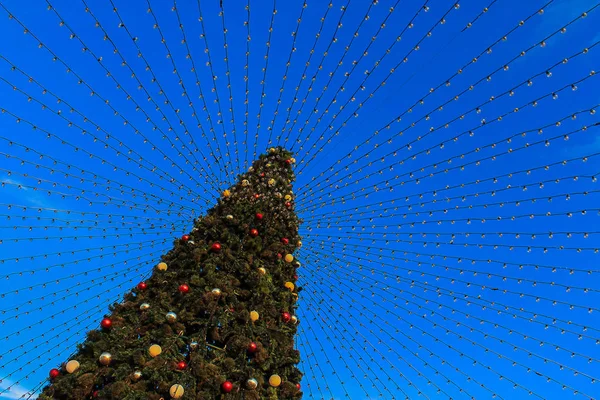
(253, 232)
(154, 350)
(216, 291)
(289, 258)
(171, 316)
(288, 204)
(142, 285)
(278, 195)
(254, 316)
(298, 386)
(288, 162)
(271, 182)
(54, 373)
(279, 256)
(106, 323)
(185, 238)
(251, 383)
(252, 347)
(183, 288)
(299, 244)
(144, 306)
(229, 216)
(226, 193)
(137, 375)
(289, 285)
(272, 150)
(285, 240)
(286, 317)
(262, 271)
(245, 182)
(216, 247)
(294, 319)
(193, 345)
(176, 391)
(269, 165)
(161, 266)
(293, 160)
(227, 386)
(275, 380)
(181, 365)
(256, 196)
(105, 358)
(259, 216)
(250, 169)
(72, 366)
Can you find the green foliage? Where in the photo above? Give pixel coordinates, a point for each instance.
(211, 332)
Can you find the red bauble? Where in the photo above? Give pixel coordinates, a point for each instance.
(181, 365)
(286, 317)
(256, 196)
(253, 232)
(288, 204)
(298, 386)
(54, 373)
(252, 347)
(184, 288)
(259, 216)
(216, 247)
(185, 238)
(106, 323)
(227, 386)
(95, 394)
(284, 240)
(279, 255)
(142, 285)
(288, 161)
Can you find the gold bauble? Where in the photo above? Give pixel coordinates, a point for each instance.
(269, 165)
(289, 285)
(262, 271)
(271, 182)
(105, 358)
(226, 193)
(299, 244)
(161, 266)
(171, 316)
(250, 169)
(251, 383)
(275, 380)
(293, 160)
(144, 306)
(229, 216)
(176, 391)
(216, 291)
(154, 350)
(245, 182)
(287, 197)
(137, 375)
(254, 316)
(72, 366)
(289, 258)
(272, 150)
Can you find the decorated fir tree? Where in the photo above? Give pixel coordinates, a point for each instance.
(216, 318)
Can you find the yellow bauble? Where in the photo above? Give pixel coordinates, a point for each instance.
(299, 244)
(227, 193)
(154, 350)
(137, 375)
(293, 160)
(295, 295)
(72, 366)
(253, 316)
(287, 197)
(271, 182)
(289, 285)
(105, 358)
(289, 258)
(162, 266)
(269, 165)
(275, 380)
(176, 391)
(262, 271)
(272, 150)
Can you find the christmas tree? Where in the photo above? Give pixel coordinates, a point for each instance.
(216, 318)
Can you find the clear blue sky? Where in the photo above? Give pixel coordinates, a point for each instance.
(391, 314)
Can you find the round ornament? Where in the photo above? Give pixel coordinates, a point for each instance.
(294, 319)
(227, 386)
(251, 383)
(278, 195)
(216, 247)
(288, 162)
(298, 386)
(226, 193)
(250, 169)
(176, 391)
(185, 238)
(245, 182)
(181, 365)
(106, 323)
(154, 350)
(142, 286)
(285, 240)
(253, 316)
(193, 345)
(293, 160)
(183, 288)
(288, 204)
(105, 358)
(229, 216)
(171, 316)
(54, 373)
(137, 375)
(252, 347)
(269, 165)
(259, 216)
(72, 366)
(216, 291)
(262, 271)
(257, 196)
(289, 285)
(299, 244)
(286, 317)
(289, 258)
(162, 266)
(253, 232)
(144, 306)
(287, 197)
(275, 380)
(272, 150)
(271, 182)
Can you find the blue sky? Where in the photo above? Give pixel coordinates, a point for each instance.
(414, 277)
